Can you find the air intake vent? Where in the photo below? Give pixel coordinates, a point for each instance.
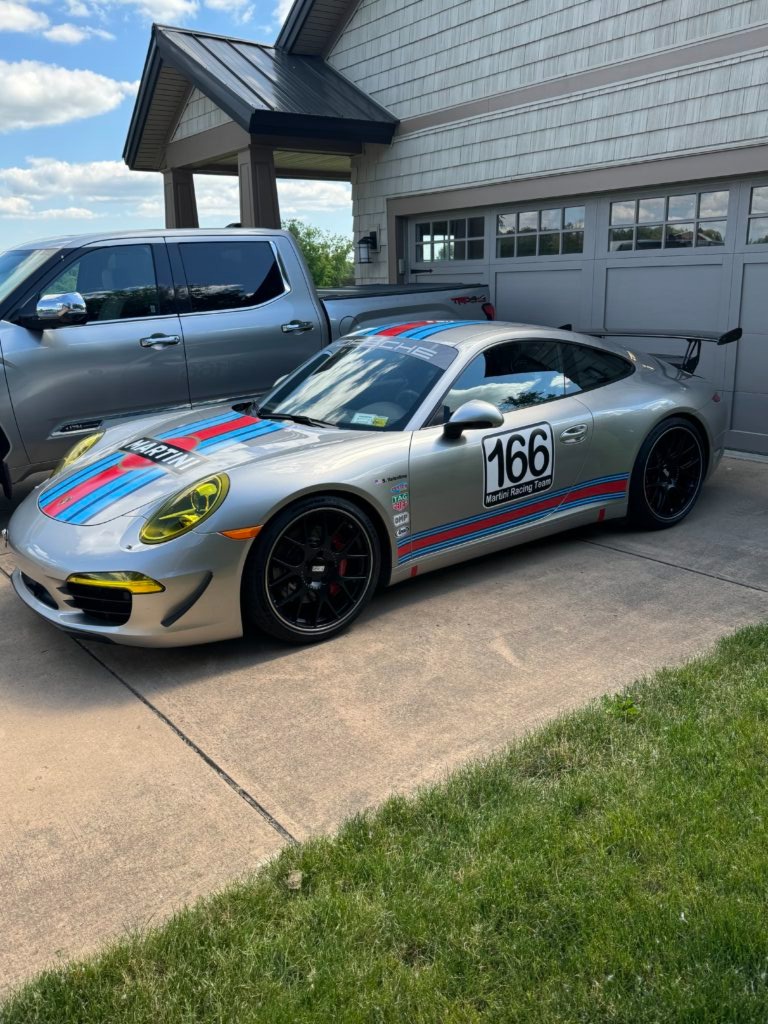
(109, 606)
(71, 428)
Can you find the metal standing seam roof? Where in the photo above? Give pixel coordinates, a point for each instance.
(263, 89)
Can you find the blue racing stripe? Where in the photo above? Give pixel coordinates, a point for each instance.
(80, 477)
(243, 434)
(86, 509)
(419, 333)
(511, 525)
(186, 429)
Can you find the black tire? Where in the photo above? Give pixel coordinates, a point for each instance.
(667, 476)
(311, 571)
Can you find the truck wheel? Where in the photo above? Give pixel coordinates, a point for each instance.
(311, 571)
(667, 476)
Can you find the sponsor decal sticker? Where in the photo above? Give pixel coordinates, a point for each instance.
(163, 453)
(399, 502)
(402, 531)
(399, 487)
(518, 464)
(401, 519)
(462, 300)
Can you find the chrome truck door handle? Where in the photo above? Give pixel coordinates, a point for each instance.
(574, 434)
(160, 340)
(297, 326)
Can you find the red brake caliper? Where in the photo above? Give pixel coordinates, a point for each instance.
(334, 588)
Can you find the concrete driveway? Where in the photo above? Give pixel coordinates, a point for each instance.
(134, 781)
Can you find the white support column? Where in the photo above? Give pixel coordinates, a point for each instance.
(180, 202)
(259, 207)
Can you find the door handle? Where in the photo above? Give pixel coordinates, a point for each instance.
(297, 326)
(160, 340)
(574, 434)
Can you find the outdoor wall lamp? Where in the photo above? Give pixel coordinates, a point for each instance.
(365, 246)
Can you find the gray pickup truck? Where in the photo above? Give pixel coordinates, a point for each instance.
(94, 328)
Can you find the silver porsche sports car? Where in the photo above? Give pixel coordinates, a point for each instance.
(392, 452)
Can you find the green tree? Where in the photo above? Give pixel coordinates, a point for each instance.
(328, 256)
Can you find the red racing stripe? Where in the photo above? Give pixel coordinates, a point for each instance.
(222, 428)
(402, 328)
(510, 515)
(82, 490)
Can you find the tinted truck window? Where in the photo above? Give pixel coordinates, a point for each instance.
(230, 275)
(117, 283)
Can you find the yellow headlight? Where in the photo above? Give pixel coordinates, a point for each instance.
(186, 510)
(136, 582)
(78, 450)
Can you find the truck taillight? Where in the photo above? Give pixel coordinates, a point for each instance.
(489, 310)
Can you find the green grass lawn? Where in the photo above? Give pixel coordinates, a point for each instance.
(611, 867)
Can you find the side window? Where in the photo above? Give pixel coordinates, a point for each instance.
(117, 283)
(230, 275)
(588, 368)
(513, 375)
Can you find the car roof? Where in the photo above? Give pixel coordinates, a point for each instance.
(471, 336)
(75, 241)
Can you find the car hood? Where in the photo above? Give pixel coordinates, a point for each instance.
(130, 469)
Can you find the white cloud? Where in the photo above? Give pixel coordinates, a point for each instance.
(118, 197)
(14, 206)
(36, 94)
(77, 9)
(282, 9)
(16, 17)
(68, 33)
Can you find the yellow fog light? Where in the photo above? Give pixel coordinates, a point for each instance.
(136, 582)
(77, 451)
(186, 510)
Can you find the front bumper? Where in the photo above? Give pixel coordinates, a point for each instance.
(200, 572)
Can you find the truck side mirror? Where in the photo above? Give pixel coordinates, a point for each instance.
(473, 415)
(61, 310)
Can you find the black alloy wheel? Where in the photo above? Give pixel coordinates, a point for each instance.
(312, 570)
(668, 475)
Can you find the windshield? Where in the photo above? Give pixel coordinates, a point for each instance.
(16, 264)
(374, 384)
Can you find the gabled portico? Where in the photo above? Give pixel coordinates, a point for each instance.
(216, 105)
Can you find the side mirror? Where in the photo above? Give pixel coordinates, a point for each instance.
(61, 310)
(474, 415)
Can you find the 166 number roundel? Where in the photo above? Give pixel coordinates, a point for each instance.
(518, 463)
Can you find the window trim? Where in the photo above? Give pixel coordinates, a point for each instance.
(182, 284)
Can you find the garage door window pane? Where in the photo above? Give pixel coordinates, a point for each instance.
(458, 228)
(650, 211)
(649, 236)
(759, 200)
(505, 247)
(506, 224)
(758, 231)
(573, 218)
(681, 207)
(551, 220)
(711, 233)
(623, 213)
(679, 236)
(621, 239)
(423, 232)
(475, 249)
(573, 242)
(230, 275)
(526, 245)
(476, 227)
(549, 245)
(713, 204)
(528, 221)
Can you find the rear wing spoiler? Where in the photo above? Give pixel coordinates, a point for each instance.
(690, 360)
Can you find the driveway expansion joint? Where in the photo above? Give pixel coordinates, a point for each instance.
(225, 777)
(676, 565)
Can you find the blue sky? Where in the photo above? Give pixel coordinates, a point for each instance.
(69, 71)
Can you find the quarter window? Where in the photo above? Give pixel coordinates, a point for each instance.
(557, 231)
(462, 238)
(757, 232)
(513, 375)
(117, 282)
(669, 222)
(587, 368)
(230, 275)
